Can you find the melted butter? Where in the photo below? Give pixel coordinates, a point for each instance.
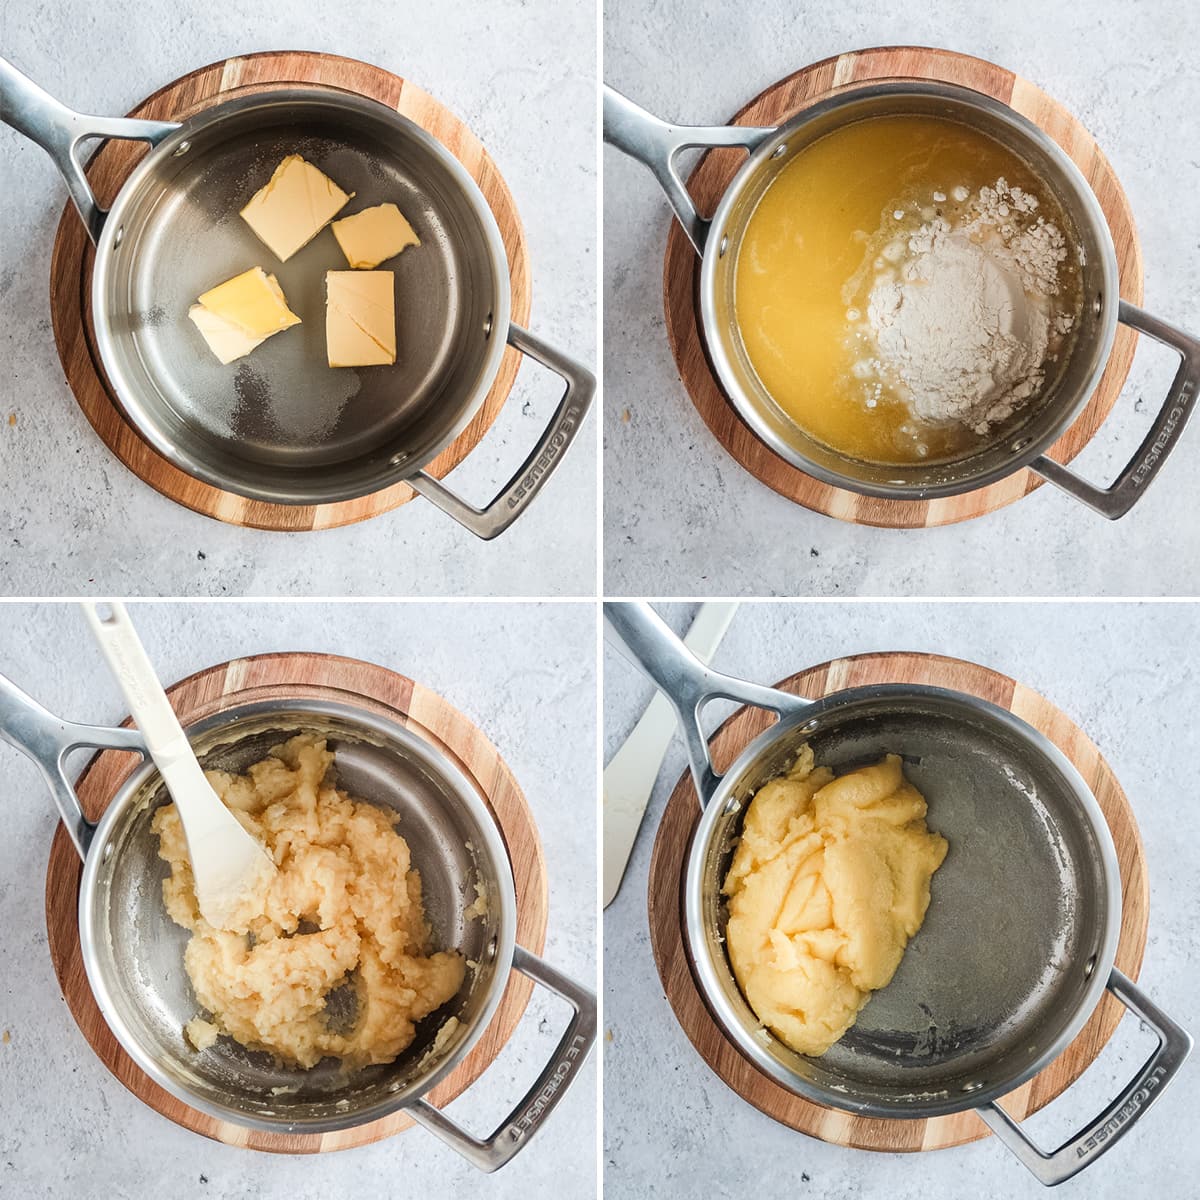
(806, 259)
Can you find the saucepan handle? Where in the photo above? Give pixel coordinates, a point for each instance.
(48, 739)
(1174, 1045)
(657, 146)
(519, 491)
(61, 132)
(513, 1134)
(1115, 501)
(644, 639)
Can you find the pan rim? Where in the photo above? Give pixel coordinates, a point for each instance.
(376, 726)
(311, 491)
(714, 336)
(701, 950)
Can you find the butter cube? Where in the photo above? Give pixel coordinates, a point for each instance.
(360, 318)
(374, 235)
(226, 340)
(254, 300)
(295, 204)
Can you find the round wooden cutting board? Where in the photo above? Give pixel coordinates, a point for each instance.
(833, 1125)
(71, 276)
(311, 676)
(716, 169)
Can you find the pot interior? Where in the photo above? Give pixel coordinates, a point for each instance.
(1033, 428)
(1022, 923)
(280, 424)
(136, 967)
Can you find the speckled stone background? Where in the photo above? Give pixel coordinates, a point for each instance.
(526, 674)
(673, 1129)
(74, 521)
(683, 518)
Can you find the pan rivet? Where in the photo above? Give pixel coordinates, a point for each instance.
(108, 853)
(1098, 303)
(487, 326)
(971, 1087)
(1089, 967)
(723, 247)
(182, 148)
(780, 151)
(119, 235)
(809, 727)
(492, 946)
(397, 459)
(1021, 443)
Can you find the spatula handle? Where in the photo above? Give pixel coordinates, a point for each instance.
(132, 669)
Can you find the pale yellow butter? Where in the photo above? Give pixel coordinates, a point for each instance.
(242, 313)
(374, 235)
(226, 340)
(254, 301)
(360, 318)
(295, 204)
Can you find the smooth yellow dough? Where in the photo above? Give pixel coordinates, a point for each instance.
(344, 907)
(829, 882)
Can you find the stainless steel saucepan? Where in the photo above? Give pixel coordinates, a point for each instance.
(1018, 944)
(1025, 440)
(133, 951)
(280, 425)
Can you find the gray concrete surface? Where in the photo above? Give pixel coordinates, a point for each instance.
(682, 518)
(673, 1129)
(74, 521)
(68, 1128)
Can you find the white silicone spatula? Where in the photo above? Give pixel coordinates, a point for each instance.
(227, 862)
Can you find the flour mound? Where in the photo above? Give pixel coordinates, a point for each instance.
(960, 320)
(956, 331)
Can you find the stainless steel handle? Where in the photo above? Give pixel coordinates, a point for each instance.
(48, 739)
(513, 1134)
(518, 493)
(644, 638)
(1174, 1045)
(1115, 501)
(60, 131)
(656, 145)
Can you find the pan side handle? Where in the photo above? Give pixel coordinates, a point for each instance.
(518, 493)
(61, 132)
(560, 1072)
(47, 740)
(1135, 1099)
(1116, 500)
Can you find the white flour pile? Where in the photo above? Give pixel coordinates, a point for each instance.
(960, 319)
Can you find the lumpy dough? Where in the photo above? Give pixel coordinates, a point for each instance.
(344, 908)
(829, 882)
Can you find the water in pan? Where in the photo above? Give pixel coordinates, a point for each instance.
(283, 402)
